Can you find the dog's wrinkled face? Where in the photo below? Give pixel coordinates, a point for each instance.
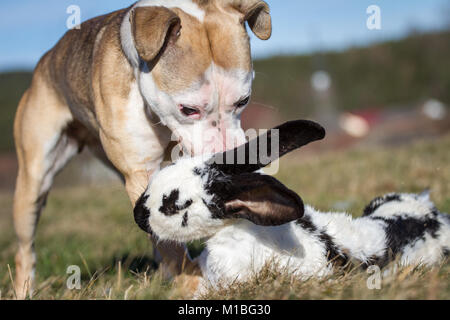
(195, 68)
(194, 198)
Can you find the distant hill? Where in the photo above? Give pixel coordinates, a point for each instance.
(12, 86)
(383, 75)
(389, 74)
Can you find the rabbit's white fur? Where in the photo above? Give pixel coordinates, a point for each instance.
(192, 223)
(243, 249)
(179, 201)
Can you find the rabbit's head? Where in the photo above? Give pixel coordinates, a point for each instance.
(194, 198)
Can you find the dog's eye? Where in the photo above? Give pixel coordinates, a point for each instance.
(189, 111)
(242, 103)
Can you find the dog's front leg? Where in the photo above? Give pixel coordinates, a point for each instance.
(173, 257)
(136, 147)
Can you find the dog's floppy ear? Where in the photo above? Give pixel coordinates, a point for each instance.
(153, 28)
(248, 157)
(257, 15)
(263, 200)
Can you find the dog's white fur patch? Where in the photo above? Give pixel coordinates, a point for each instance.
(223, 88)
(144, 139)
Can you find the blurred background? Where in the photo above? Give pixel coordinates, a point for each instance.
(379, 81)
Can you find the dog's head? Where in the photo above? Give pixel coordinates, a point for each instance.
(193, 198)
(194, 67)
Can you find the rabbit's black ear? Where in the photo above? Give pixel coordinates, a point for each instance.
(263, 200)
(268, 147)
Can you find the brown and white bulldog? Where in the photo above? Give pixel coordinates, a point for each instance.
(125, 85)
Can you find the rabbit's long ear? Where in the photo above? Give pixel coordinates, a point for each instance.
(268, 147)
(262, 199)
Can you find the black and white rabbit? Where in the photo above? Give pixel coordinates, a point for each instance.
(250, 219)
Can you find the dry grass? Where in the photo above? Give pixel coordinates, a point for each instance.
(349, 284)
(92, 227)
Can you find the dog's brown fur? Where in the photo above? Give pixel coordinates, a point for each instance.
(78, 98)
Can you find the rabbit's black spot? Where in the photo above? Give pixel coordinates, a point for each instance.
(446, 252)
(379, 201)
(199, 172)
(169, 204)
(306, 223)
(402, 231)
(185, 220)
(215, 207)
(334, 254)
(142, 214)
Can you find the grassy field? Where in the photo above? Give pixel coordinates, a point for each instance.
(93, 228)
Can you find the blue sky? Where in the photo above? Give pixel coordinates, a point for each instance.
(28, 28)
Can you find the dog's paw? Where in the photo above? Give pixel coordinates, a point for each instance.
(186, 286)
